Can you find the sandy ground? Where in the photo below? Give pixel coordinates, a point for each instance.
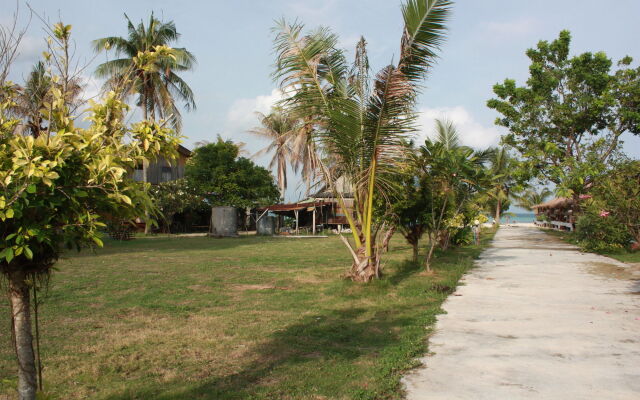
(536, 319)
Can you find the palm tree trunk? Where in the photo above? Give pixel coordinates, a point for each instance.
(23, 339)
(498, 210)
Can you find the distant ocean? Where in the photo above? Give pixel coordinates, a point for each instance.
(519, 217)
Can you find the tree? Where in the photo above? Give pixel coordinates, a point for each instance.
(174, 197)
(57, 188)
(281, 129)
(224, 179)
(410, 207)
(567, 121)
(358, 128)
(501, 180)
(149, 68)
(618, 194)
(531, 197)
(454, 176)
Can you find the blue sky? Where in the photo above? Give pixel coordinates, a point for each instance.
(232, 41)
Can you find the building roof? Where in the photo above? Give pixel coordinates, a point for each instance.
(296, 206)
(559, 202)
(184, 151)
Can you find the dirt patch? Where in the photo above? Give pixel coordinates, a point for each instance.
(615, 271)
(258, 287)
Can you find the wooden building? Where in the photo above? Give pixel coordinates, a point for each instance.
(558, 213)
(162, 170)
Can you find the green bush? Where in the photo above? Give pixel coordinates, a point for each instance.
(600, 234)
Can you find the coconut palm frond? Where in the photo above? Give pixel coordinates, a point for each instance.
(424, 33)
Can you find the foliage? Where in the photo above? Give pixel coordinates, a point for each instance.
(175, 197)
(598, 233)
(217, 173)
(454, 180)
(566, 122)
(149, 68)
(58, 187)
(358, 127)
(619, 195)
(283, 131)
(531, 197)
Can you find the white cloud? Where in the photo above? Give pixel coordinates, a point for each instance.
(471, 132)
(242, 113)
(507, 29)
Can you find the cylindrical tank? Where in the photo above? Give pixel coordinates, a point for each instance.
(224, 222)
(266, 225)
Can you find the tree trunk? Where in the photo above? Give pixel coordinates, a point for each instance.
(415, 251)
(364, 268)
(498, 210)
(432, 245)
(23, 339)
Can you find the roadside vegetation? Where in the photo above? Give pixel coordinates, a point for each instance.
(262, 318)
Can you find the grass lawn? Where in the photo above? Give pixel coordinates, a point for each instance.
(621, 255)
(246, 318)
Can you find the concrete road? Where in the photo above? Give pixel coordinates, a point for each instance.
(537, 319)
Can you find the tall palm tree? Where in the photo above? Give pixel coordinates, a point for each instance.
(282, 130)
(359, 128)
(148, 68)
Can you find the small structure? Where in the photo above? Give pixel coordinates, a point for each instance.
(224, 222)
(308, 214)
(558, 214)
(163, 170)
(266, 226)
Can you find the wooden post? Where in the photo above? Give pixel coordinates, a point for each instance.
(296, 213)
(314, 220)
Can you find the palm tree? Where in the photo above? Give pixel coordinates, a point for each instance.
(282, 130)
(454, 174)
(148, 68)
(359, 128)
(501, 179)
(531, 197)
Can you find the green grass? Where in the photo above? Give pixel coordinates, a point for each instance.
(245, 318)
(620, 255)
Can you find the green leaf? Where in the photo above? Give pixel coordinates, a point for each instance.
(31, 188)
(28, 253)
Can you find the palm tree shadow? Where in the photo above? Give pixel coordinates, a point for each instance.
(327, 338)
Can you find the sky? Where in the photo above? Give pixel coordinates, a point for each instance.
(233, 43)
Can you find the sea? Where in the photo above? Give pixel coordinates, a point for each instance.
(517, 217)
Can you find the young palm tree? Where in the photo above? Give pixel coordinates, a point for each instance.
(501, 179)
(454, 174)
(531, 197)
(282, 130)
(359, 128)
(148, 68)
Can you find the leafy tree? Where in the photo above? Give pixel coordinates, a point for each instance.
(174, 197)
(411, 210)
(618, 195)
(57, 188)
(358, 127)
(149, 68)
(224, 179)
(567, 121)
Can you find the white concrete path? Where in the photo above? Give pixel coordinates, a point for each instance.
(536, 319)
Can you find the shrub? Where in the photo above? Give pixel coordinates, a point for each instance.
(599, 234)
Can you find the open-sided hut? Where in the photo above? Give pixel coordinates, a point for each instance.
(559, 213)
